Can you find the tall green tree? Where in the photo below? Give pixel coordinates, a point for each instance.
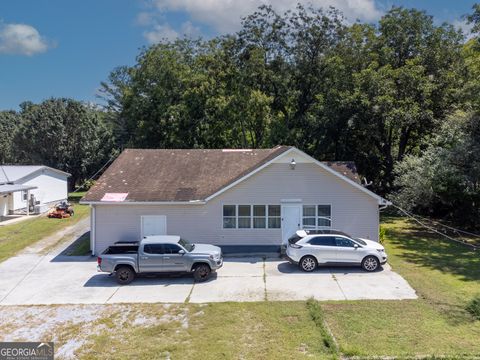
(64, 134)
(444, 181)
(9, 124)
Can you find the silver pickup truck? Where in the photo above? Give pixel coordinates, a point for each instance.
(159, 254)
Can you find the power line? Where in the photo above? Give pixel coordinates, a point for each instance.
(474, 247)
(91, 177)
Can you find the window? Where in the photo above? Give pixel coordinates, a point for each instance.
(324, 215)
(316, 216)
(323, 241)
(25, 195)
(229, 216)
(309, 217)
(259, 217)
(251, 216)
(171, 248)
(244, 217)
(153, 249)
(342, 242)
(274, 216)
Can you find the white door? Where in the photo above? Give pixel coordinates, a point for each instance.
(154, 225)
(291, 220)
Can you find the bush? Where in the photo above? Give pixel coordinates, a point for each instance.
(473, 307)
(382, 234)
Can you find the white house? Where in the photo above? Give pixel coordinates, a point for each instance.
(247, 199)
(23, 185)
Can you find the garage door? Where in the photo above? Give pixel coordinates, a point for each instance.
(154, 225)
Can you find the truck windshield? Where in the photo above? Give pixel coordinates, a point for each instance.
(189, 247)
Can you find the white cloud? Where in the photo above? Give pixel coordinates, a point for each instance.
(225, 15)
(464, 26)
(21, 39)
(162, 32)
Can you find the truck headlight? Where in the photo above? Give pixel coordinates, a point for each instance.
(381, 250)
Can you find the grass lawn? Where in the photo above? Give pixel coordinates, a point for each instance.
(213, 331)
(446, 275)
(16, 237)
(80, 247)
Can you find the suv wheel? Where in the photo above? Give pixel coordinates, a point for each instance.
(124, 275)
(308, 263)
(370, 263)
(201, 272)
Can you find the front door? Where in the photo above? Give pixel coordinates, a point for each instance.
(154, 225)
(291, 220)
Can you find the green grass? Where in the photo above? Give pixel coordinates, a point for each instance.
(446, 276)
(75, 197)
(15, 237)
(80, 247)
(215, 331)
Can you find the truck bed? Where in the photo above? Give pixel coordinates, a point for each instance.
(121, 249)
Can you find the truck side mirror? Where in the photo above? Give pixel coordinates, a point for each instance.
(181, 252)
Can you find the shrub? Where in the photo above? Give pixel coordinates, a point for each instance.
(473, 307)
(382, 234)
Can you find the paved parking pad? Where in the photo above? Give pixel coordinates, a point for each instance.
(50, 279)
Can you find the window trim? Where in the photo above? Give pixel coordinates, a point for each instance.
(317, 227)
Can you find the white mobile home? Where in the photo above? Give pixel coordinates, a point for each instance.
(24, 185)
(242, 200)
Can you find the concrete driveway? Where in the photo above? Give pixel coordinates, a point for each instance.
(34, 279)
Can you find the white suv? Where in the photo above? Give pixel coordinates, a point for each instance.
(309, 248)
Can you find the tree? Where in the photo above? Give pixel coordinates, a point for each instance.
(444, 181)
(64, 134)
(9, 123)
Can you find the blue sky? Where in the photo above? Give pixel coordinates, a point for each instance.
(66, 48)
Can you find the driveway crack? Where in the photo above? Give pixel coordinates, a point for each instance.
(338, 284)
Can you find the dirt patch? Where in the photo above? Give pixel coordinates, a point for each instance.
(71, 326)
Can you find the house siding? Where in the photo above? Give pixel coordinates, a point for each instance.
(353, 211)
(51, 187)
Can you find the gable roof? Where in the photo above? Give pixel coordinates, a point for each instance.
(177, 174)
(15, 173)
(191, 175)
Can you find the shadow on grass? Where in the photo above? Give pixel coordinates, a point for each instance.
(426, 249)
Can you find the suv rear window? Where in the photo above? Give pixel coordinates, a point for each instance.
(323, 241)
(294, 239)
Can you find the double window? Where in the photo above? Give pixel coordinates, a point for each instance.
(251, 216)
(317, 216)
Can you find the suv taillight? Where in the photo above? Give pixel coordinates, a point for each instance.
(99, 261)
(295, 246)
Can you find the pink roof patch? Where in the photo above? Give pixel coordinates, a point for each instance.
(114, 197)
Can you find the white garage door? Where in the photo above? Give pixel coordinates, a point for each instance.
(154, 225)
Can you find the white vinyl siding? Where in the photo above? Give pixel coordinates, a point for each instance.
(352, 210)
(51, 188)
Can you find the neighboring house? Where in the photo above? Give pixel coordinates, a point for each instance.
(21, 185)
(242, 200)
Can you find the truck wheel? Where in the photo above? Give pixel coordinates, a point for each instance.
(201, 272)
(124, 275)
